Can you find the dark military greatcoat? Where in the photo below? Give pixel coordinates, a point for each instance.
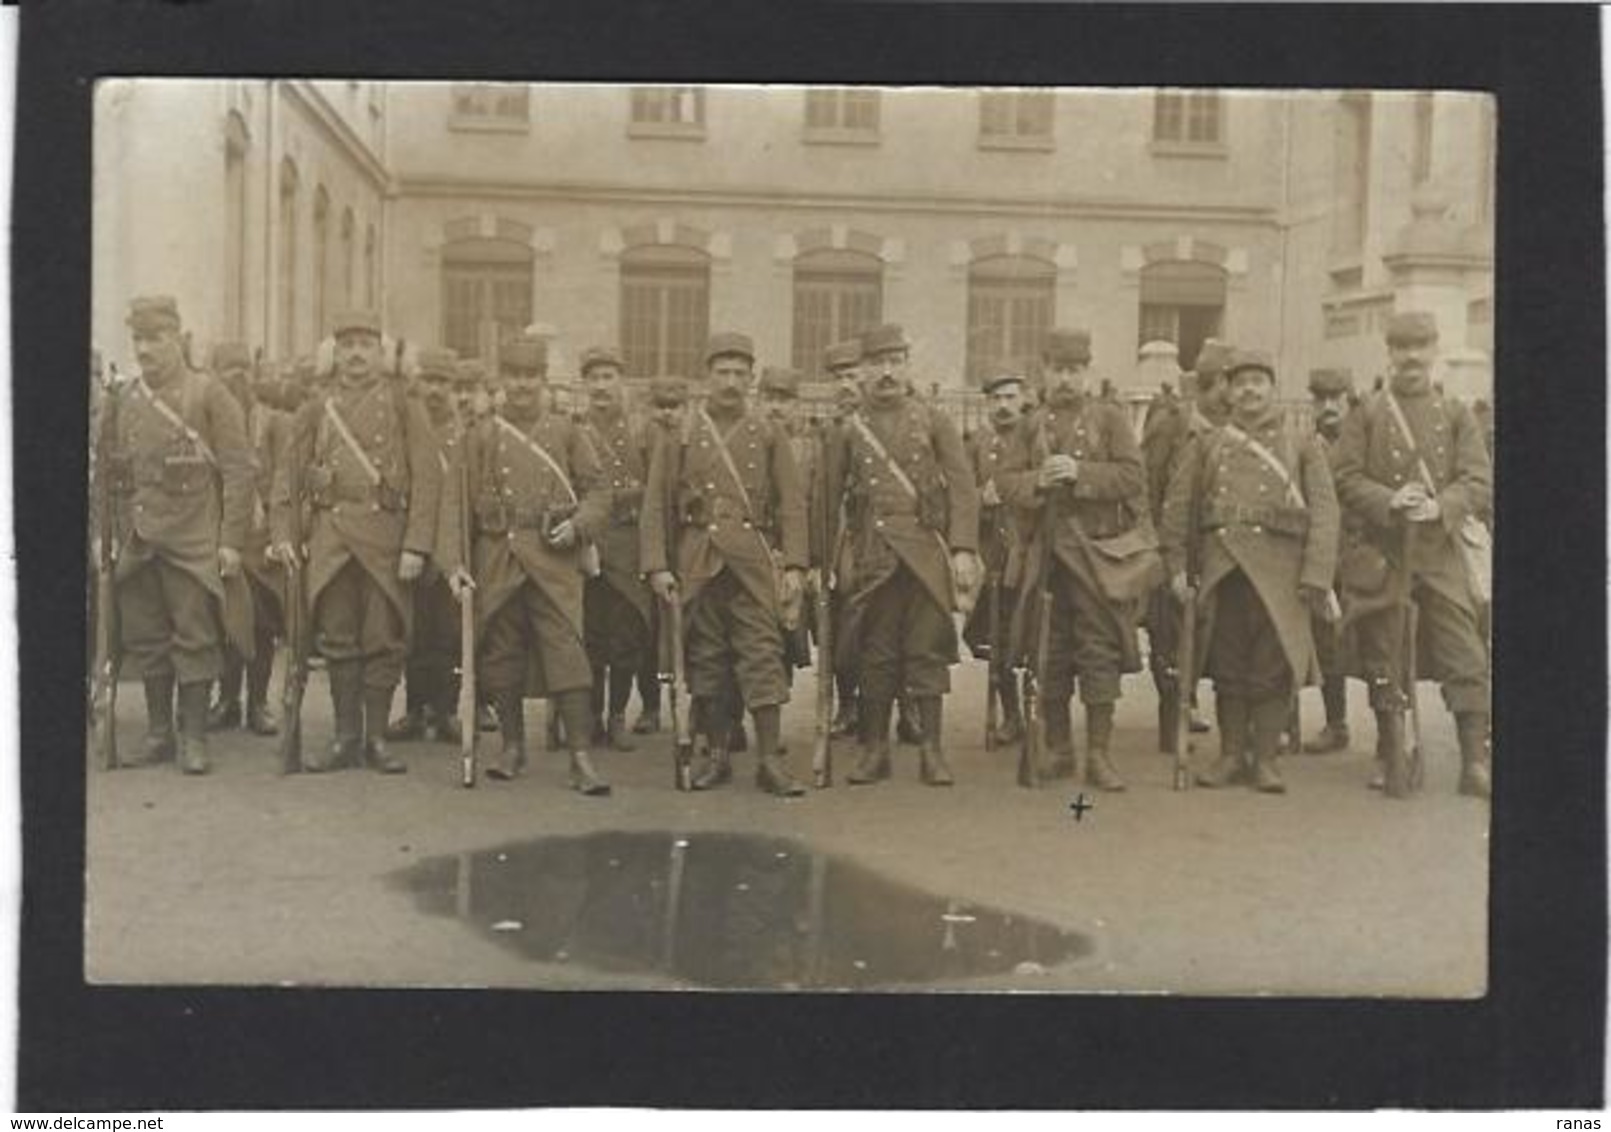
(624, 457)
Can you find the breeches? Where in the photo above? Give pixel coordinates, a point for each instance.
(169, 623)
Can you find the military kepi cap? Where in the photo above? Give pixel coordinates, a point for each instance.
(470, 371)
(1211, 357)
(1249, 359)
(668, 392)
(1011, 372)
(841, 355)
(884, 339)
(524, 355)
(777, 379)
(438, 363)
(1067, 344)
(1410, 327)
(728, 342)
(153, 312)
(600, 356)
(1331, 382)
(230, 355)
(356, 321)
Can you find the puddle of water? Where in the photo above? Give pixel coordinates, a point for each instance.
(729, 911)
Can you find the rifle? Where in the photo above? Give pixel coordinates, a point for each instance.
(992, 660)
(468, 732)
(107, 660)
(1186, 645)
(1032, 751)
(296, 625)
(683, 752)
(1404, 769)
(822, 744)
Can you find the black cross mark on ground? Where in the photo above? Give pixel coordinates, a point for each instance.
(1080, 804)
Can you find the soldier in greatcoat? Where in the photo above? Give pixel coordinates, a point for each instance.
(912, 522)
(999, 545)
(842, 361)
(619, 610)
(724, 528)
(1077, 478)
(1253, 503)
(1167, 434)
(1391, 447)
(174, 452)
(431, 684)
(365, 460)
(536, 501)
(1332, 392)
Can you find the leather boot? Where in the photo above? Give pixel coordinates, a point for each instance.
(847, 719)
(554, 736)
(409, 726)
(1476, 758)
(932, 768)
(772, 769)
(511, 758)
(1168, 715)
(1227, 768)
(193, 726)
(647, 723)
(714, 768)
(377, 705)
(346, 701)
(225, 714)
(1060, 760)
(259, 716)
(872, 765)
(1389, 729)
(576, 709)
(1270, 719)
(1010, 732)
(618, 736)
(908, 727)
(160, 743)
(1099, 769)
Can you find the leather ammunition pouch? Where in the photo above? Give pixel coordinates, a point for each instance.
(186, 475)
(1127, 566)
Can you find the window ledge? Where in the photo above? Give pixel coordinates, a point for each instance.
(486, 125)
(1021, 144)
(835, 135)
(1212, 150)
(680, 131)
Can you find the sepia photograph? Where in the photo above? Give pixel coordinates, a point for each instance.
(790, 538)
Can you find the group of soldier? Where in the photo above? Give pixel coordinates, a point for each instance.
(372, 501)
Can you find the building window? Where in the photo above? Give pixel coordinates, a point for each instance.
(1423, 137)
(235, 146)
(1010, 302)
(1351, 173)
(668, 112)
(321, 260)
(665, 310)
(289, 187)
(1181, 302)
(842, 114)
(837, 294)
(1015, 119)
(371, 278)
(490, 106)
(486, 295)
(349, 260)
(1188, 120)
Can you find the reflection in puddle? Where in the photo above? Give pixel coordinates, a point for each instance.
(729, 910)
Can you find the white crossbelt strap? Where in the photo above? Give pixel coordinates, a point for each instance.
(351, 441)
(859, 423)
(176, 420)
(1271, 461)
(1409, 440)
(727, 459)
(541, 453)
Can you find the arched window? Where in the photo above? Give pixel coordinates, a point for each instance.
(487, 297)
(289, 187)
(236, 143)
(371, 269)
(349, 262)
(837, 293)
(321, 260)
(1010, 303)
(1182, 301)
(665, 309)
